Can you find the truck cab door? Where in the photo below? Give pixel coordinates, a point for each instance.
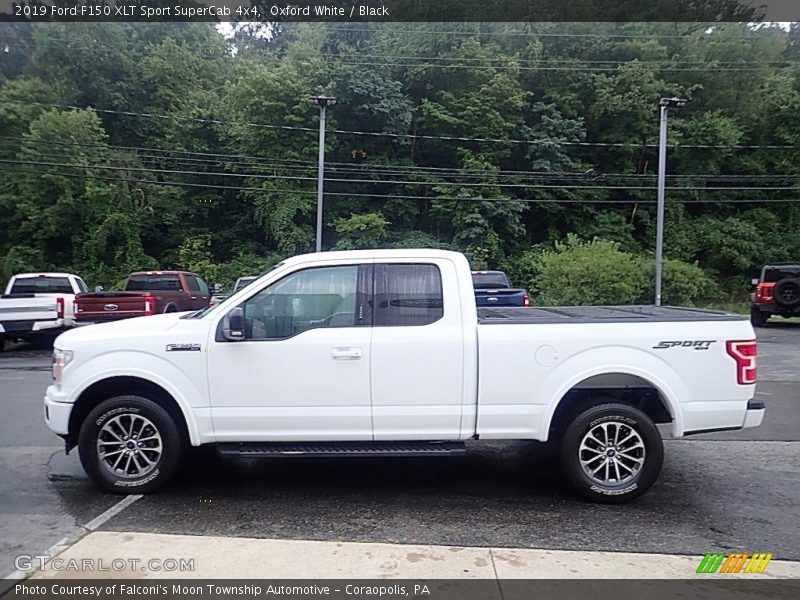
(301, 371)
(198, 293)
(417, 369)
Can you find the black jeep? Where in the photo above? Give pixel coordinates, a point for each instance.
(777, 292)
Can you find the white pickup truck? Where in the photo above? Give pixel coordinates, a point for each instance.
(383, 352)
(38, 304)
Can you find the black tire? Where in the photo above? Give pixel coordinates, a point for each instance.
(170, 308)
(624, 420)
(173, 446)
(787, 292)
(758, 318)
(2, 343)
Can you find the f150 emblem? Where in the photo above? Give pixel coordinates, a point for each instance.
(110, 307)
(696, 344)
(183, 347)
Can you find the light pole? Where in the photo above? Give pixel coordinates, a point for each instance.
(323, 102)
(665, 104)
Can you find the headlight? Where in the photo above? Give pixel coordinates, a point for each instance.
(61, 358)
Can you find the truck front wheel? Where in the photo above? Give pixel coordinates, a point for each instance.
(130, 445)
(611, 453)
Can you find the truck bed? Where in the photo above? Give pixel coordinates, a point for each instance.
(600, 314)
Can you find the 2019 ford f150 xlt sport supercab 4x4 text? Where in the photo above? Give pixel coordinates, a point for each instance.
(383, 352)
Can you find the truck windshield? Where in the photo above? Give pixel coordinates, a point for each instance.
(41, 285)
(489, 280)
(207, 311)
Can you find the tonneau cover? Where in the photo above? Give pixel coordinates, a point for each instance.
(600, 314)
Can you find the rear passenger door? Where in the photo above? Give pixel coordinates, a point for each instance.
(417, 362)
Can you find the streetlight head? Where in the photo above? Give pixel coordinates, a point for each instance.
(323, 101)
(672, 102)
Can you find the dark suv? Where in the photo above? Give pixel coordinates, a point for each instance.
(777, 293)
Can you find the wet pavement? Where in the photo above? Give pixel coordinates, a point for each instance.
(726, 491)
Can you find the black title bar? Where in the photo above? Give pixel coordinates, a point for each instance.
(400, 10)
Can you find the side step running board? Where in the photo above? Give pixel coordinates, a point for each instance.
(354, 449)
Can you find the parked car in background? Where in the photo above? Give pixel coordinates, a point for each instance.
(144, 293)
(492, 288)
(36, 305)
(241, 283)
(777, 292)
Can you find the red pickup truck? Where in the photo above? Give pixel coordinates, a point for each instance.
(145, 293)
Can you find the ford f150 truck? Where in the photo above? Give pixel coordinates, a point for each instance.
(37, 304)
(492, 288)
(145, 293)
(383, 352)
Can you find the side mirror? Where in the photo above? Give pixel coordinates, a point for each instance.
(98, 288)
(754, 282)
(217, 288)
(233, 325)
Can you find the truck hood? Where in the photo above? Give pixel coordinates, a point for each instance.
(125, 328)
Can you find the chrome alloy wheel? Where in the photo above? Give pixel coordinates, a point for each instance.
(129, 445)
(611, 453)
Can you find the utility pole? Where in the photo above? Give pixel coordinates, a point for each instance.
(665, 104)
(323, 102)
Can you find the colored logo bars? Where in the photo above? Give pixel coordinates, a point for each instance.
(734, 563)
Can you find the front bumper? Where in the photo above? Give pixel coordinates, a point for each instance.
(57, 410)
(754, 415)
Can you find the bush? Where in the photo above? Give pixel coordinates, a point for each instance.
(590, 273)
(597, 272)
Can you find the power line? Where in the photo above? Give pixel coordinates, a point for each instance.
(391, 182)
(408, 135)
(381, 169)
(407, 197)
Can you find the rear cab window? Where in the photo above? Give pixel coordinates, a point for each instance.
(489, 280)
(42, 285)
(154, 283)
(407, 294)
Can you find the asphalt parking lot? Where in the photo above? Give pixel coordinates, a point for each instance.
(718, 492)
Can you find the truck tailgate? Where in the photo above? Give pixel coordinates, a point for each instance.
(17, 311)
(108, 306)
(500, 297)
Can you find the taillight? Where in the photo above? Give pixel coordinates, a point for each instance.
(59, 308)
(149, 305)
(764, 293)
(526, 301)
(744, 353)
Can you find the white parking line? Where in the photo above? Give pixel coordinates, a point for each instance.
(103, 517)
(92, 525)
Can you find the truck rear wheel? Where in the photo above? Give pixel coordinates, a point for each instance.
(130, 445)
(611, 453)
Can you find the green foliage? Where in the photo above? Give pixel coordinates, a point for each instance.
(202, 154)
(360, 231)
(595, 272)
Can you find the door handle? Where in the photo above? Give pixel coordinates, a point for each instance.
(346, 353)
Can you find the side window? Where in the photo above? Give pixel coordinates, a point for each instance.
(307, 299)
(407, 294)
(191, 281)
(81, 284)
(203, 286)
